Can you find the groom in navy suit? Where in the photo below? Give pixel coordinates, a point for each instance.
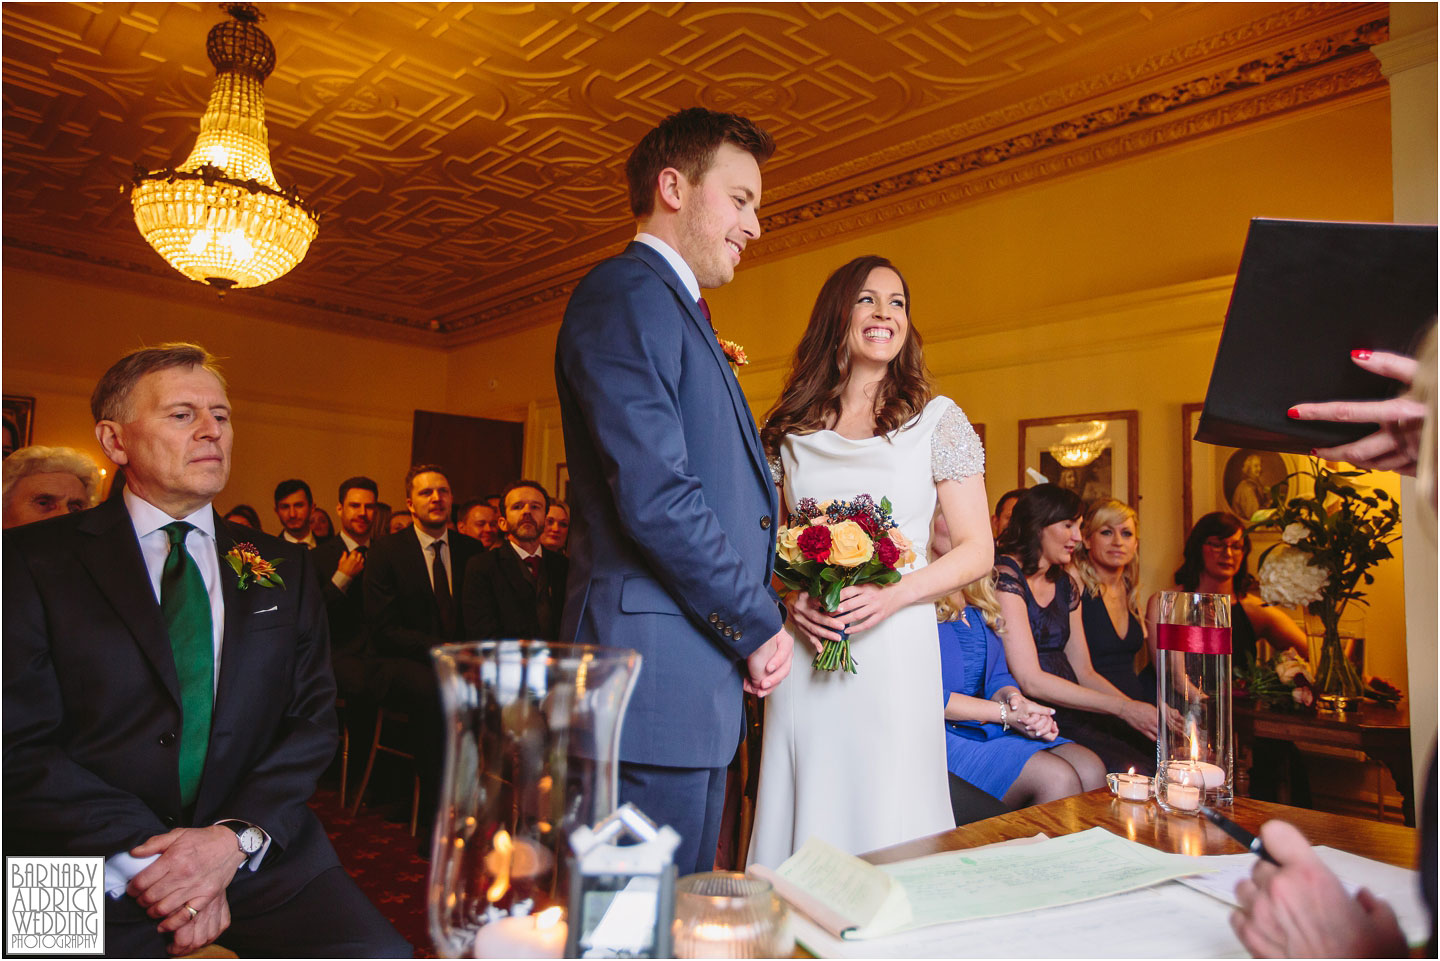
(674, 510)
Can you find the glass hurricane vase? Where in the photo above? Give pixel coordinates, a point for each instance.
(532, 743)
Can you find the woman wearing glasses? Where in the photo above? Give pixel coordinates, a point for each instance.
(1217, 555)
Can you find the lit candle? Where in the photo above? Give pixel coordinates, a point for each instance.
(1183, 796)
(1131, 787)
(536, 936)
(1211, 776)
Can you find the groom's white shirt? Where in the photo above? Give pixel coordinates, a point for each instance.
(676, 262)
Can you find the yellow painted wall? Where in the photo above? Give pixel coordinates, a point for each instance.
(1101, 291)
(307, 403)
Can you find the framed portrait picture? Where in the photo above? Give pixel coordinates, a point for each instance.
(1240, 480)
(562, 481)
(19, 422)
(1095, 455)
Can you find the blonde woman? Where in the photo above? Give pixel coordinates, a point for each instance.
(995, 737)
(1108, 567)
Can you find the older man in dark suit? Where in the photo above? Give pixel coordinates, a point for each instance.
(168, 701)
(674, 532)
(517, 589)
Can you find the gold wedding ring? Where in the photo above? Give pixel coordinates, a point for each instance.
(192, 911)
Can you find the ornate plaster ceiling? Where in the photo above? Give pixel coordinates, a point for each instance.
(467, 158)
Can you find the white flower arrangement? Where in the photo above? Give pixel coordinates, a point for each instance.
(1294, 533)
(1288, 578)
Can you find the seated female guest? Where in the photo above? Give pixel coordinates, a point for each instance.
(1108, 568)
(995, 737)
(1217, 555)
(1044, 636)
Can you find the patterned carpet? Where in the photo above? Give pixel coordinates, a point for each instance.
(381, 857)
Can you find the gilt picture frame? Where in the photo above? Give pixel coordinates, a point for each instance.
(1056, 447)
(1239, 480)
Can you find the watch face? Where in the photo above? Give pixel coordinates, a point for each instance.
(251, 839)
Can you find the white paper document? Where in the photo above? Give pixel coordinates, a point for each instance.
(856, 900)
(1399, 887)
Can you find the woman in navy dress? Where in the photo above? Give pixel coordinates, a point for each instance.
(996, 738)
(1045, 637)
(1108, 567)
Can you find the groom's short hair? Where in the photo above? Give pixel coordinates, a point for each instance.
(687, 141)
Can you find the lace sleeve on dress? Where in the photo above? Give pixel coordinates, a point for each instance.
(955, 450)
(1007, 579)
(777, 470)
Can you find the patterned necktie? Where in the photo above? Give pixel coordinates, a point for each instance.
(442, 590)
(185, 605)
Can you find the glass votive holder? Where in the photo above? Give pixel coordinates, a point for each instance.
(722, 914)
(1131, 787)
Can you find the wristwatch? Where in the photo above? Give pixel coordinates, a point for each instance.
(248, 836)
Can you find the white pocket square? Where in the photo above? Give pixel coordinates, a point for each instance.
(268, 610)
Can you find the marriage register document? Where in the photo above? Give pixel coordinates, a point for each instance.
(856, 900)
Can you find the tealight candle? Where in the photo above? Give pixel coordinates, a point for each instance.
(1130, 787)
(536, 936)
(1183, 796)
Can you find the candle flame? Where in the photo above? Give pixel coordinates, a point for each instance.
(1194, 742)
(499, 861)
(549, 917)
(1132, 770)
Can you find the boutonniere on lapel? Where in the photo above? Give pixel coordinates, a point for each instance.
(733, 353)
(251, 568)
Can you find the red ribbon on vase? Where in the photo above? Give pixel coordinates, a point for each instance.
(1192, 640)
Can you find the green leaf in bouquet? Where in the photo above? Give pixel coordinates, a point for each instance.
(828, 574)
(886, 577)
(831, 599)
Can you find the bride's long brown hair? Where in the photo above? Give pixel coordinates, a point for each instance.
(821, 367)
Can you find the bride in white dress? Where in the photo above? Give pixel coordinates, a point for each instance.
(859, 759)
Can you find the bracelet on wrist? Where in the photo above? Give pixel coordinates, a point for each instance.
(1004, 716)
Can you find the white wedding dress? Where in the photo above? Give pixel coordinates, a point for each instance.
(859, 760)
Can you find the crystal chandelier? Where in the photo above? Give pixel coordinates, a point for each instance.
(1082, 446)
(220, 217)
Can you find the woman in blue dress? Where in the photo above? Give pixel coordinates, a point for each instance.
(996, 738)
(1045, 638)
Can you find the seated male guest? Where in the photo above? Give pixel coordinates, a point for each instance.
(340, 563)
(412, 579)
(517, 589)
(477, 519)
(293, 506)
(43, 482)
(167, 712)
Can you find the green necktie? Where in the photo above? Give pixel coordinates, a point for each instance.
(185, 604)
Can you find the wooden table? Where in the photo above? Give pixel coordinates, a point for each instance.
(1182, 834)
(1380, 731)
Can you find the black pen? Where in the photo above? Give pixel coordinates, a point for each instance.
(1250, 841)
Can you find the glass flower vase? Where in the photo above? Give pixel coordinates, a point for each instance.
(532, 743)
(1338, 686)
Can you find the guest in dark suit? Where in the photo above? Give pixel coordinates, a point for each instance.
(411, 606)
(340, 564)
(674, 535)
(293, 506)
(166, 711)
(517, 589)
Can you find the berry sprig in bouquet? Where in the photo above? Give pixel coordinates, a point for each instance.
(827, 547)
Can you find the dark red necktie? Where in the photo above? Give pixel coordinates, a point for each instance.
(534, 564)
(705, 311)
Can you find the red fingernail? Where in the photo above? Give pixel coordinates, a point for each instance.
(1314, 452)
(1292, 413)
(1360, 354)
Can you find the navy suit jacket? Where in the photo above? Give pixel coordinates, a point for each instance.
(673, 532)
(92, 703)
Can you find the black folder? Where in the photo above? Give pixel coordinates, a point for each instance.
(1308, 293)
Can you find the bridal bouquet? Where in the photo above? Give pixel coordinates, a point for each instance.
(827, 547)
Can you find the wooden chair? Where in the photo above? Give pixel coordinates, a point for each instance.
(376, 747)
